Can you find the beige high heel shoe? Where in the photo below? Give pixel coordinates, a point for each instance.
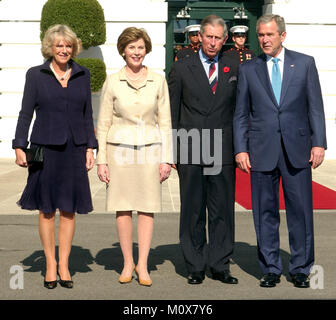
(128, 279)
(143, 282)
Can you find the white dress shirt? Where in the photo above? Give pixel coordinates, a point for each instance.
(281, 61)
(206, 63)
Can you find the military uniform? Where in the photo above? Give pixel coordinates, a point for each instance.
(187, 51)
(242, 55)
(190, 49)
(239, 52)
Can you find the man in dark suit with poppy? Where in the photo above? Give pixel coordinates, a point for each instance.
(202, 91)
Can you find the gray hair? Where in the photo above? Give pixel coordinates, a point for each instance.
(214, 21)
(280, 22)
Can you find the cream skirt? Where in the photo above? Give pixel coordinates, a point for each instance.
(134, 178)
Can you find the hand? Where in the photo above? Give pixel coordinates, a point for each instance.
(89, 159)
(21, 159)
(103, 173)
(174, 166)
(243, 161)
(164, 171)
(316, 156)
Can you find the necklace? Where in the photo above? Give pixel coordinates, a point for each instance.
(134, 79)
(60, 78)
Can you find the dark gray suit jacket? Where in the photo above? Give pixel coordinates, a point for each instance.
(195, 108)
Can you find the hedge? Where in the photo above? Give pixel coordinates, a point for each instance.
(97, 70)
(84, 17)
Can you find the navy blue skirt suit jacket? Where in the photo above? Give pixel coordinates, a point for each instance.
(64, 127)
(56, 108)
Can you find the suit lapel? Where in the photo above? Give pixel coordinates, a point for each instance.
(223, 73)
(288, 71)
(200, 76)
(262, 73)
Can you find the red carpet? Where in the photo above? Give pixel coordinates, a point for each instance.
(323, 197)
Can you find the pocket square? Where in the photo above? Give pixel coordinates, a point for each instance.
(233, 78)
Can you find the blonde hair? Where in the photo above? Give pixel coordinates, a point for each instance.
(60, 31)
(133, 34)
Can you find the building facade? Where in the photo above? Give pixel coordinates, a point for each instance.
(310, 26)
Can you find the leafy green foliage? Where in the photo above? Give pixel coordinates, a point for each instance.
(84, 17)
(97, 70)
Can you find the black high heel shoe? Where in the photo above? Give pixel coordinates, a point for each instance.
(65, 283)
(50, 284)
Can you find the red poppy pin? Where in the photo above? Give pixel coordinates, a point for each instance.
(226, 69)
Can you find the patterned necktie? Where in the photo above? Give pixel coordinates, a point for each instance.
(276, 79)
(212, 76)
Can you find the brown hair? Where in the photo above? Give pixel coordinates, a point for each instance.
(133, 34)
(280, 22)
(60, 31)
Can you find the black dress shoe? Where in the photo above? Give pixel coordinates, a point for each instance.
(269, 280)
(50, 284)
(224, 276)
(196, 277)
(65, 283)
(300, 280)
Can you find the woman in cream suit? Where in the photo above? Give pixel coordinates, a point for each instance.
(135, 150)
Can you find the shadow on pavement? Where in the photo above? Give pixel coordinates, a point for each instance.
(79, 261)
(111, 258)
(246, 257)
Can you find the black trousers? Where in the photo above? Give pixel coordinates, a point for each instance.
(200, 193)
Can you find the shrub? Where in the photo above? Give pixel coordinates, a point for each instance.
(97, 70)
(84, 17)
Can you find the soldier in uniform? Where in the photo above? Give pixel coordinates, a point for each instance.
(239, 51)
(194, 44)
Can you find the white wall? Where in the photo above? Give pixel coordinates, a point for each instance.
(311, 29)
(20, 49)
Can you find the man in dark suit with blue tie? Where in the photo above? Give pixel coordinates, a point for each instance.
(202, 91)
(279, 131)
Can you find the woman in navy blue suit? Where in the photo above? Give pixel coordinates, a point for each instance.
(59, 93)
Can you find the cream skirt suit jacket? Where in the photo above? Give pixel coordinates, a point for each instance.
(134, 137)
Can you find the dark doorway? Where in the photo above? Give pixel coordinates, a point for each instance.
(182, 13)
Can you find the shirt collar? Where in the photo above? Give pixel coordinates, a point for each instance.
(281, 56)
(75, 67)
(205, 59)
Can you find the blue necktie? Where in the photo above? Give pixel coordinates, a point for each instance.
(276, 79)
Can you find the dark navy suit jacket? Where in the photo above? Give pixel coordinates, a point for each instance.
(56, 108)
(260, 123)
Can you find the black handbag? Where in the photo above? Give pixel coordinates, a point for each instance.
(34, 155)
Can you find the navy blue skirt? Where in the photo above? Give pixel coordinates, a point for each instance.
(60, 182)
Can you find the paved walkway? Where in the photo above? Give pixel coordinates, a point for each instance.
(95, 259)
